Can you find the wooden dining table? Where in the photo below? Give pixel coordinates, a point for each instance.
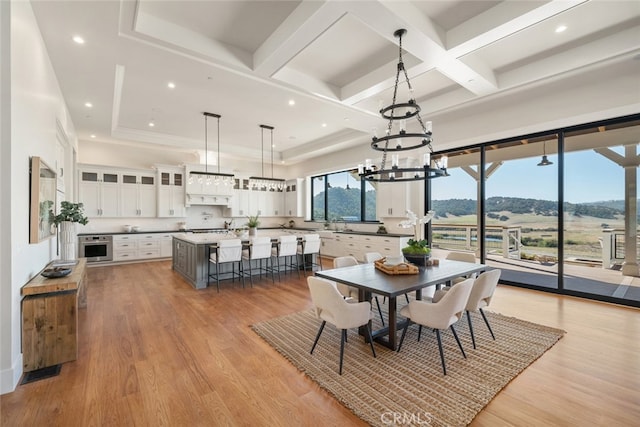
(370, 280)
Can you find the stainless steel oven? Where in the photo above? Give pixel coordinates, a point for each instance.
(96, 248)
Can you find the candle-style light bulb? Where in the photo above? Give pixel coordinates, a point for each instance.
(426, 159)
(394, 160)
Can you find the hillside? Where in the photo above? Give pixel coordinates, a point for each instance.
(515, 205)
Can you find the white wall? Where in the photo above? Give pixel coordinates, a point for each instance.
(36, 104)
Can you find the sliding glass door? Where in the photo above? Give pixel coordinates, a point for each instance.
(600, 212)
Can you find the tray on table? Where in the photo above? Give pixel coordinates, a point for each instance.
(402, 268)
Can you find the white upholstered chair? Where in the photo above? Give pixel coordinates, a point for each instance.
(371, 257)
(463, 257)
(439, 315)
(286, 249)
(226, 251)
(349, 291)
(331, 307)
(259, 250)
(308, 249)
(481, 294)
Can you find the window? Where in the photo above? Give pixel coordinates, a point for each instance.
(342, 196)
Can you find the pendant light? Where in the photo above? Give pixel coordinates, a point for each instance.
(206, 177)
(544, 161)
(262, 182)
(401, 140)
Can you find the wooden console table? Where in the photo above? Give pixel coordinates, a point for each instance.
(50, 318)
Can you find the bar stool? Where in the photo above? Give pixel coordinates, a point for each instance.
(226, 251)
(287, 248)
(310, 245)
(259, 249)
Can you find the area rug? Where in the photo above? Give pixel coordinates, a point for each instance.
(409, 387)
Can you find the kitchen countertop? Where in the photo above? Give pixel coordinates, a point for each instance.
(194, 231)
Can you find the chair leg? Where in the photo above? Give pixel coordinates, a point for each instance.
(297, 266)
(407, 297)
(458, 341)
(241, 271)
(473, 338)
(250, 273)
(419, 332)
(342, 341)
(444, 366)
(217, 277)
(270, 264)
(278, 264)
(379, 310)
(404, 332)
(487, 322)
(324, 322)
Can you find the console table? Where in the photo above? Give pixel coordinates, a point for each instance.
(50, 318)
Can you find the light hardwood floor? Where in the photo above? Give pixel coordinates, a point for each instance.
(154, 351)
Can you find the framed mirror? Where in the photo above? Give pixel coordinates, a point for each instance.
(43, 201)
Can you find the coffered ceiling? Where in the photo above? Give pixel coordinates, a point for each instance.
(247, 60)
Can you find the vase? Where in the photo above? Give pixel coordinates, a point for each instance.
(417, 259)
(68, 239)
(253, 231)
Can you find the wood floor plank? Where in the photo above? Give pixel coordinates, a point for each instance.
(154, 351)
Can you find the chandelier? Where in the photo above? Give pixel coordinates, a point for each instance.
(206, 177)
(262, 182)
(398, 113)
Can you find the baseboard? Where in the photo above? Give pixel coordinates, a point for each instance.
(9, 378)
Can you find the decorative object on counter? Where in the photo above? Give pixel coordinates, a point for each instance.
(403, 140)
(241, 232)
(382, 229)
(253, 224)
(292, 223)
(182, 226)
(65, 221)
(54, 272)
(327, 224)
(215, 178)
(262, 182)
(418, 250)
(228, 225)
(127, 228)
(135, 228)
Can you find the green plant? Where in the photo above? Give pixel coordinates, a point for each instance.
(253, 221)
(417, 247)
(73, 212)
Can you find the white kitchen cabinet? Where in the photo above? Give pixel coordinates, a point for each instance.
(138, 195)
(294, 197)
(99, 191)
(171, 193)
(357, 245)
(391, 199)
(132, 247)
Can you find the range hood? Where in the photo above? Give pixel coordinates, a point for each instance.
(208, 199)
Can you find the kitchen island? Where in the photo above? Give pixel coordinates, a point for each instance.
(190, 252)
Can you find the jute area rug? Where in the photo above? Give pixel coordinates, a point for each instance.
(409, 387)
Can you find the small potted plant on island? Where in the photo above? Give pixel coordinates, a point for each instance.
(417, 250)
(65, 221)
(253, 224)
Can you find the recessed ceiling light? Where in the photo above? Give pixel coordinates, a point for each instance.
(151, 124)
(88, 104)
(92, 135)
(273, 145)
(561, 28)
(292, 102)
(171, 85)
(78, 39)
(324, 125)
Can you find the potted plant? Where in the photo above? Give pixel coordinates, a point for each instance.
(253, 224)
(65, 221)
(417, 250)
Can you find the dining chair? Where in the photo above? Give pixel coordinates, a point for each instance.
(331, 307)
(481, 294)
(350, 291)
(370, 257)
(259, 250)
(439, 315)
(310, 246)
(286, 248)
(224, 252)
(463, 257)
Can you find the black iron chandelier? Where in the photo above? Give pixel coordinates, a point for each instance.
(400, 112)
(262, 182)
(206, 177)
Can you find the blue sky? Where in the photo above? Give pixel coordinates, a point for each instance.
(589, 177)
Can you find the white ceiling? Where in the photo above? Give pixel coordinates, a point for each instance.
(337, 59)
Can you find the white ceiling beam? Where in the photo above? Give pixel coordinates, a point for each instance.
(311, 84)
(501, 21)
(306, 23)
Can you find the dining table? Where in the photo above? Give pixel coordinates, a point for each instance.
(370, 280)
